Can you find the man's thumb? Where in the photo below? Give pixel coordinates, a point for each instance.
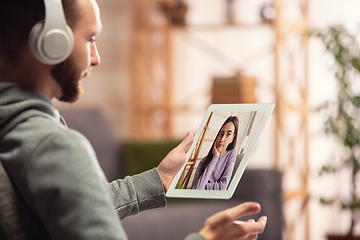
(186, 143)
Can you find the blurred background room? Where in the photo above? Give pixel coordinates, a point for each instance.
(164, 62)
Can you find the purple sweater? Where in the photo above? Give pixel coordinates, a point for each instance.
(217, 174)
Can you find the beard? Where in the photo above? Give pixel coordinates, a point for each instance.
(68, 76)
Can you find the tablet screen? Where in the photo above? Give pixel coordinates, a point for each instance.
(221, 150)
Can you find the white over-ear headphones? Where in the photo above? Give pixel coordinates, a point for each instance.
(51, 41)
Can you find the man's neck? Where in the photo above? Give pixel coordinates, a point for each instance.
(30, 72)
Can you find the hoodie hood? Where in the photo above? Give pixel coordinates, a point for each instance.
(17, 103)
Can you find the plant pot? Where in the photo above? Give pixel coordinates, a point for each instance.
(339, 237)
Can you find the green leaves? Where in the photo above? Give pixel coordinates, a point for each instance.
(356, 63)
(326, 201)
(341, 44)
(328, 169)
(342, 121)
(343, 115)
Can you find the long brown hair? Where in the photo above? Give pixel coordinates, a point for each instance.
(231, 146)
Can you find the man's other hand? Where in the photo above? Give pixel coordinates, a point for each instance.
(224, 226)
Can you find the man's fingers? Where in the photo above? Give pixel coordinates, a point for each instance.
(244, 230)
(251, 237)
(252, 227)
(230, 215)
(263, 219)
(244, 209)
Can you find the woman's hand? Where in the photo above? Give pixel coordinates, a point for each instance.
(215, 151)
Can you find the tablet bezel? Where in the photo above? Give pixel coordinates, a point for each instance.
(266, 108)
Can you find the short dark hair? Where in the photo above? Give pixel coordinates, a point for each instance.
(17, 17)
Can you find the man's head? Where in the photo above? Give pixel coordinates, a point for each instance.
(17, 17)
(84, 55)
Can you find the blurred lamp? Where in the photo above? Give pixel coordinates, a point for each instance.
(268, 13)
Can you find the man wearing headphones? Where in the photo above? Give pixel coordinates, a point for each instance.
(44, 54)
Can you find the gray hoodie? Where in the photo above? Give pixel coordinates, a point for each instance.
(57, 172)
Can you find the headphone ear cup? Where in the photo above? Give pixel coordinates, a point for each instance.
(51, 46)
(34, 38)
(57, 44)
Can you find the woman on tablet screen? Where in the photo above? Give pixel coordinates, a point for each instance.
(214, 171)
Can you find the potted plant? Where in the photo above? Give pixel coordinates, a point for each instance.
(343, 117)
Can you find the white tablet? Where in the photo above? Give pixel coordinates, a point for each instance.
(222, 147)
